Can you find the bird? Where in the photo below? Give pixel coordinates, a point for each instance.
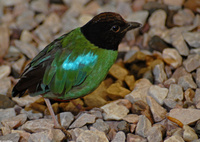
(75, 64)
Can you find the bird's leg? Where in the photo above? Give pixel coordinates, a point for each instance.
(56, 124)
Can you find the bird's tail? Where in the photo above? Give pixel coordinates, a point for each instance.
(15, 92)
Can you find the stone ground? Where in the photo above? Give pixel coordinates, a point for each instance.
(152, 93)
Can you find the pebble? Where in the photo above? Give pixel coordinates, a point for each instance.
(189, 133)
(123, 126)
(15, 121)
(38, 125)
(175, 92)
(101, 126)
(4, 71)
(143, 126)
(196, 98)
(118, 72)
(113, 111)
(24, 136)
(40, 136)
(183, 17)
(116, 91)
(155, 133)
(172, 57)
(192, 38)
(19, 64)
(39, 6)
(170, 103)
(26, 36)
(198, 77)
(181, 71)
(26, 100)
(119, 137)
(189, 95)
(130, 81)
(138, 16)
(66, 119)
(174, 3)
(131, 118)
(14, 137)
(192, 62)
(6, 113)
(192, 4)
(31, 115)
(158, 93)
(140, 91)
(135, 138)
(4, 40)
(152, 6)
(187, 82)
(91, 8)
(159, 73)
(6, 102)
(186, 116)
(83, 120)
(154, 21)
(44, 33)
(157, 111)
(174, 138)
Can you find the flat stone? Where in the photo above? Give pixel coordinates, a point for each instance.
(186, 116)
(5, 85)
(5, 102)
(143, 126)
(14, 137)
(40, 136)
(19, 64)
(118, 72)
(44, 33)
(15, 121)
(198, 77)
(172, 57)
(123, 126)
(39, 6)
(24, 136)
(174, 3)
(174, 138)
(154, 21)
(26, 100)
(4, 71)
(135, 138)
(31, 115)
(179, 72)
(170, 103)
(192, 62)
(113, 111)
(175, 92)
(159, 73)
(196, 98)
(155, 133)
(38, 125)
(11, 2)
(131, 118)
(7, 113)
(189, 133)
(158, 93)
(83, 120)
(169, 81)
(26, 36)
(4, 40)
(101, 126)
(183, 17)
(192, 38)
(158, 112)
(116, 91)
(119, 137)
(97, 112)
(140, 91)
(66, 119)
(138, 16)
(130, 81)
(157, 43)
(186, 82)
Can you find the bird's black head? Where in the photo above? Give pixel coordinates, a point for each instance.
(107, 29)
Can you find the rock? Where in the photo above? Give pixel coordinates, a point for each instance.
(175, 92)
(131, 118)
(135, 138)
(179, 43)
(196, 98)
(174, 3)
(192, 38)
(4, 40)
(83, 19)
(179, 72)
(124, 102)
(130, 81)
(155, 133)
(170, 81)
(15, 121)
(11, 2)
(123, 126)
(5, 85)
(116, 91)
(5, 102)
(158, 112)
(113, 111)
(38, 107)
(66, 119)
(192, 62)
(101, 126)
(189, 95)
(91, 8)
(26, 36)
(192, 4)
(143, 126)
(83, 120)
(40, 136)
(198, 77)
(158, 93)
(140, 91)
(119, 137)
(26, 21)
(24, 136)
(152, 6)
(159, 73)
(6, 113)
(44, 33)
(186, 116)
(23, 101)
(4, 71)
(31, 115)
(172, 57)
(38, 125)
(19, 64)
(118, 72)
(14, 137)
(39, 6)
(97, 112)
(5, 130)
(154, 21)
(170, 103)
(189, 133)
(140, 107)
(174, 138)
(186, 82)
(183, 17)
(157, 43)
(92, 135)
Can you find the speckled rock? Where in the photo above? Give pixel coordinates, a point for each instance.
(192, 62)
(119, 137)
(118, 72)
(159, 73)
(135, 138)
(183, 17)
(4, 71)
(174, 138)
(14, 137)
(23, 101)
(7, 113)
(101, 126)
(154, 21)
(192, 38)
(198, 77)
(66, 119)
(131, 118)
(186, 82)
(175, 92)
(189, 133)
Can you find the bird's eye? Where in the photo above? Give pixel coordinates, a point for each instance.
(115, 28)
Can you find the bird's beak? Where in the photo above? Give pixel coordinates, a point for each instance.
(133, 25)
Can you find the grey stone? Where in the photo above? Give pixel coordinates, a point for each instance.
(5, 85)
(143, 126)
(159, 73)
(175, 92)
(4, 71)
(158, 93)
(131, 118)
(186, 82)
(155, 133)
(31, 115)
(192, 38)
(174, 138)
(170, 103)
(179, 72)
(135, 138)
(123, 126)
(7, 113)
(26, 100)
(66, 119)
(83, 120)
(183, 17)
(198, 77)
(119, 137)
(39, 6)
(192, 62)
(14, 137)
(154, 21)
(189, 133)
(101, 126)
(40, 137)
